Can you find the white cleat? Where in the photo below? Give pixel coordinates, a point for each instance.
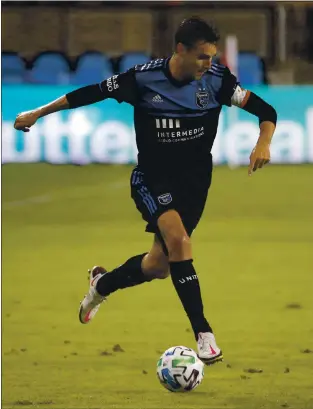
(92, 301)
(208, 351)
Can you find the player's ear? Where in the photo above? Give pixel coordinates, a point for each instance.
(180, 48)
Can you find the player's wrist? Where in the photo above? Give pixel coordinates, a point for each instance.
(264, 140)
(37, 113)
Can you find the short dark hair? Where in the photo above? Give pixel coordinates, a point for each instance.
(195, 29)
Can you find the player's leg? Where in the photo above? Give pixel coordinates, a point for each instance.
(136, 270)
(155, 263)
(186, 283)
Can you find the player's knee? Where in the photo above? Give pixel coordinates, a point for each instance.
(163, 273)
(157, 271)
(178, 245)
(155, 266)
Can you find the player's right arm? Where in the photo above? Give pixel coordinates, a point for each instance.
(120, 87)
(25, 120)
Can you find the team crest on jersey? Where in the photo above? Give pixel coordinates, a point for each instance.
(202, 99)
(165, 199)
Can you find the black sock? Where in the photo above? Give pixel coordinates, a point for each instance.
(186, 283)
(128, 274)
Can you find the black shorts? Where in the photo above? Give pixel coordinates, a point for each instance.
(154, 198)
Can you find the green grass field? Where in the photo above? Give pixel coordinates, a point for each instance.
(253, 251)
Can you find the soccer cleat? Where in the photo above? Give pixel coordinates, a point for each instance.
(209, 352)
(92, 301)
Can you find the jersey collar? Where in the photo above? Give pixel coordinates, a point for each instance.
(170, 77)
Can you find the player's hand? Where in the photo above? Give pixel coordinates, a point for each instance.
(259, 157)
(25, 120)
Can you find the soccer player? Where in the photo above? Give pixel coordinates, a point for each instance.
(177, 102)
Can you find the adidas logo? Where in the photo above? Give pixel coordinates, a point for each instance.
(157, 98)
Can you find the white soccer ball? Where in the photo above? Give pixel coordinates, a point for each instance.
(179, 369)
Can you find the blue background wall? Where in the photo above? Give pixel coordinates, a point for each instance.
(104, 132)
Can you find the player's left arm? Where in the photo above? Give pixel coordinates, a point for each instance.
(267, 115)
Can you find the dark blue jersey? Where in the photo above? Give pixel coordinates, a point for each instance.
(175, 121)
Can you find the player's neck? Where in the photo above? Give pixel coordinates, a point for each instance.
(176, 68)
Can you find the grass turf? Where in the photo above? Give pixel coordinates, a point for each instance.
(253, 251)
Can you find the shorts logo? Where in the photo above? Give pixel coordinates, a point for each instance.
(202, 99)
(165, 199)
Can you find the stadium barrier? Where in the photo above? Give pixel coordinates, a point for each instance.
(104, 132)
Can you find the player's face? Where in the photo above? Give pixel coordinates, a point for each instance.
(198, 59)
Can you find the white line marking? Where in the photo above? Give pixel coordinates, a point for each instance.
(77, 192)
(29, 200)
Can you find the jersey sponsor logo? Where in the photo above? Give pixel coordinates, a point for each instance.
(157, 98)
(181, 135)
(165, 123)
(112, 83)
(165, 199)
(202, 99)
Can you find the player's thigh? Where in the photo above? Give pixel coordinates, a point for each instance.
(156, 263)
(192, 215)
(150, 199)
(175, 236)
(192, 208)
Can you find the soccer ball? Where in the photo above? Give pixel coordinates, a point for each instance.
(179, 369)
